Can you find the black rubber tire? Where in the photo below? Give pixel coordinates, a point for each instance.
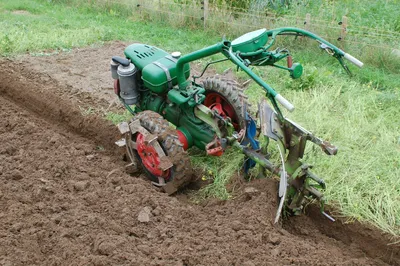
(168, 138)
(232, 92)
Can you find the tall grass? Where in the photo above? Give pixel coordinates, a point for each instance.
(372, 34)
(364, 122)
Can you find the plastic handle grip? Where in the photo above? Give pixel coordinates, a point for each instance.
(284, 102)
(353, 60)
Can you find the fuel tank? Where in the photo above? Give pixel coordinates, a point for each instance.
(157, 67)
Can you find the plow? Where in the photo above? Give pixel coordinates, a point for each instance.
(172, 113)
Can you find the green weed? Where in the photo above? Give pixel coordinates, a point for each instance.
(117, 118)
(220, 170)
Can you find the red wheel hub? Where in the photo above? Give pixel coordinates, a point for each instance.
(219, 103)
(150, 158)
(182, 138)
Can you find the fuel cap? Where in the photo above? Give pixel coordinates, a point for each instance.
(176, 55)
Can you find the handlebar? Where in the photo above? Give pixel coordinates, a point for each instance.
(353, 60)
(335, 51)
(284, 102)
(272, 94)
(295, 31)
(225, 48)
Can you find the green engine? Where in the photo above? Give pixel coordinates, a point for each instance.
(152, 78)
(157, 67)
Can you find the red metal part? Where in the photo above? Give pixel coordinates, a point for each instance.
(214, 148)
(116, 87)
(150, 158)
(182, 138)
(289, 61)
(219, 103)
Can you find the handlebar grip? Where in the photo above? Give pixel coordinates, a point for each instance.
(284, 102)
(353, 60)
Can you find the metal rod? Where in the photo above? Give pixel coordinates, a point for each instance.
(210, 50)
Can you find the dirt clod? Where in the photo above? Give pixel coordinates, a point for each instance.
(81, 185)
(106, 248)
(250, 190)
(274, 239)
(144, 215)
(16, 175)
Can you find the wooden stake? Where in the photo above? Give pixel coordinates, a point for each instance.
(139, 7)
(307, 22)
(205, 12)
(343, 30)
(306, 25)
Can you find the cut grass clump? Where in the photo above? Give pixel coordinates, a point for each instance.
(219, 170)
(120, 117)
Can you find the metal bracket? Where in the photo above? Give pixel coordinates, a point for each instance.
(123, 127)
(274, 128)
(135, 127)
(214, 148)
(161, 182)
(270, 124)
(206, 115)
(166, 71)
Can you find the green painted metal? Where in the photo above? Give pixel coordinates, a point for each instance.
(187, 135)
(142, 54)
(151, 101)
(281, 31)
(206, 115)
(251, 41)
(296, 71)
(241, 64)
(158, 67)
(208, 51)
(183, 117)
(180, 96)
(201, 133)
(160, 75)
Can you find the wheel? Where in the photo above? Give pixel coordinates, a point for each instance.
(226, 97)
(149, 157)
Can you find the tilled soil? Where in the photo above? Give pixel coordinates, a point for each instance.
(65, 198)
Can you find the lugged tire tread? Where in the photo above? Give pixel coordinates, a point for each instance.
(168, 138)
(233, 93)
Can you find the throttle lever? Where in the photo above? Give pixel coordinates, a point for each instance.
(326, 48)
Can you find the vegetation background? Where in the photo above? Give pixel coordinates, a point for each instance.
(361, 114)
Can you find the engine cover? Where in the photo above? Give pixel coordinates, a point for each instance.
(158, 68)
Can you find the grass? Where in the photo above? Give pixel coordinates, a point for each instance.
(361, 115)
(218, 170)
(59, 27)
(117, 118)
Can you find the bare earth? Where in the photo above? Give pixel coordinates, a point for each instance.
(65, 198)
